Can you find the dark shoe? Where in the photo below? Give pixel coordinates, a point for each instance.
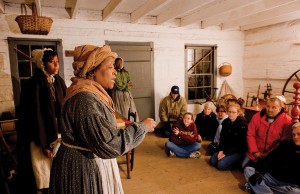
(248, 189)
(168, 152)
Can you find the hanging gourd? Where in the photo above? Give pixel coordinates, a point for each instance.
(225, 69)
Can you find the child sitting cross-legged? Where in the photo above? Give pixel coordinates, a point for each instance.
(184, 138)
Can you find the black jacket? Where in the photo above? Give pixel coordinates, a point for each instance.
(233, 136)
(283, 163)
(206, 125)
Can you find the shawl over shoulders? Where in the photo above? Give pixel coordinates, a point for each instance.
(89, 124)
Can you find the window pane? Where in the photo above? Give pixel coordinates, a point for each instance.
(23, 52)
(189, 65)
(209, 57)
(198, 54)
(205, 80)
(192, 81)
(24, 69)
(207, 67)
(200, 94)
(192, 93)
(199, 68)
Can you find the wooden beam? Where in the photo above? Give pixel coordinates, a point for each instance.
(38, 7)
(244, 11)
(109, 9)
(211, 9)
(75, 8)
(271, 14)
(274, 20)
(146, 8)
(179, 9)
(1, 6)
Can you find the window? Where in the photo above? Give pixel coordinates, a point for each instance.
(200, 73)
(21, 67)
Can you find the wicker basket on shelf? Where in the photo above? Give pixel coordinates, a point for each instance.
(34, 24)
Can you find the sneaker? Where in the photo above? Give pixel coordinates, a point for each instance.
(247, 188)
(169, 152)
(195, 154)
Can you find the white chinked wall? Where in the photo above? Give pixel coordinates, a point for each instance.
(168, 46)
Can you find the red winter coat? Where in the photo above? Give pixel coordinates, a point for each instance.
(264, 137)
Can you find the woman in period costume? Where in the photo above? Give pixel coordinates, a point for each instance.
(86, 159)
(39, 122)
(121, 95)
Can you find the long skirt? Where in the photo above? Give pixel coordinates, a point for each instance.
(75, 172)
(123, 101)
(41, 166)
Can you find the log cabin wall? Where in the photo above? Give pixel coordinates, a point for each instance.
(271, 55)
(168, 46)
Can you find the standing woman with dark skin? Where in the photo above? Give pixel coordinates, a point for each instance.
(121, 94)
(39, 122)
(90, 140)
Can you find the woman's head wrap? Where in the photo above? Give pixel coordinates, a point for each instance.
(37, 58)
(88, 57)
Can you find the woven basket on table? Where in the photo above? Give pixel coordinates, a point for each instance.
(34, 24)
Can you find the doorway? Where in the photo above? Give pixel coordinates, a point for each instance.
(138, 61)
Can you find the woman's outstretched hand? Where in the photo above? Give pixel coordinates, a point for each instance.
(150, 124)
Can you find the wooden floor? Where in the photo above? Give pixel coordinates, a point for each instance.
(155, 173)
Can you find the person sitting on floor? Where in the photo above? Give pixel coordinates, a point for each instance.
(266, 130)
(221, 116)
(204, 122)
(232, 146)
(183, 141)
(171, 109)
(279, 172)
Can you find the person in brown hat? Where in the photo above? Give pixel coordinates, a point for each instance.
(86, 159)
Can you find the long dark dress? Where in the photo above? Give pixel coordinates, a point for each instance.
(38, 122)
(89, 124)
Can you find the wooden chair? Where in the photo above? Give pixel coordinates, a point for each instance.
(130, 154)
(8, 161)
(8, 132)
